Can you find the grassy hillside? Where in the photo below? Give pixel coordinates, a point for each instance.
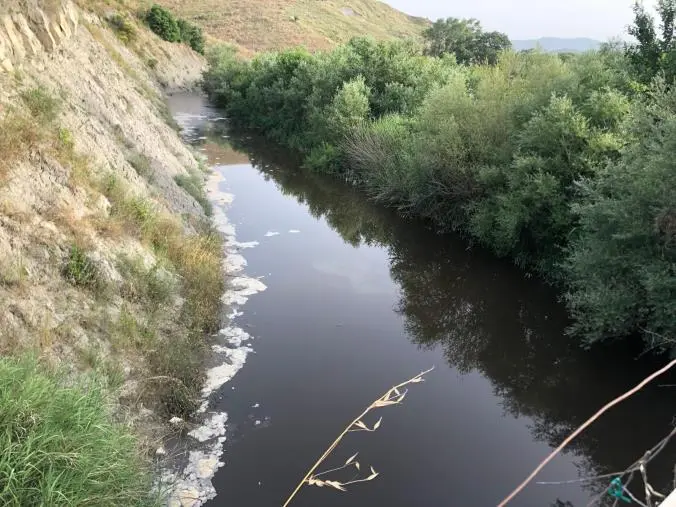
(258, 25)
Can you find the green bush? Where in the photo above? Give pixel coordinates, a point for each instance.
(60, 446)
(323, 158)
(530, 156)
(163, 23)
(349, 108)
(621, 268)
(192, 35)
(172, 29)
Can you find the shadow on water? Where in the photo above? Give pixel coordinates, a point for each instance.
(484, 316)
(488, 318)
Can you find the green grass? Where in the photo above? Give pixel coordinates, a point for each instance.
(80, 270)
(42, 105)
(129, 333)
(21, 131)
(141, 164)
(153, 287)
(193, 184)
(60, 446)
(196, 258)
(123, 28)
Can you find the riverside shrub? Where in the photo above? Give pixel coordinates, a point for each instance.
(521, 156)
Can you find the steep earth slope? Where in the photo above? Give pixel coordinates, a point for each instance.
(258, 25)
(104, 255)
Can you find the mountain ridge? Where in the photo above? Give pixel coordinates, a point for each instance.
(557, 44)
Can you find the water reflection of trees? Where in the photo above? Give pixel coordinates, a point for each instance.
(487, 317)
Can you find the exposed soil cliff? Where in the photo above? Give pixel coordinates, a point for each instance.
(108, 262)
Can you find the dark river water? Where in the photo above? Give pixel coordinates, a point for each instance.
(360, 299)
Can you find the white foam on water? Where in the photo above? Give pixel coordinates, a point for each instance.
(270, 234)
(248, 244)
(294, 231)
(192, 486)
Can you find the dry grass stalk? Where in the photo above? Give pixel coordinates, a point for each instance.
(394, 396)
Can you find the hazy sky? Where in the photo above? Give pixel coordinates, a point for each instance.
(528, 19)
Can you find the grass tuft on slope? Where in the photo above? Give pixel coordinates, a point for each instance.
(60, 446)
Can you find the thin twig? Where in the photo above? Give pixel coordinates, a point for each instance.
(633, 468)
(584, 426)
(335, 443)
(583, 479)
(644, 474)
(332, 470)
(626, 490)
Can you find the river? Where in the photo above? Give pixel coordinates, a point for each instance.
(359, 299)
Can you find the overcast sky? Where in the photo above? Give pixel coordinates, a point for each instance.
(530, 19)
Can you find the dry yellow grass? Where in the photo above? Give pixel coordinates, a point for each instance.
(393, 396)
(259, 25)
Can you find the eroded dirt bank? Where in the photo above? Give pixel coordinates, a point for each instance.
(109, 262)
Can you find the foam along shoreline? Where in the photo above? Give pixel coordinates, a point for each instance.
(191, 486)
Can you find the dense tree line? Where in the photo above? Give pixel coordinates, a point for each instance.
(562, 163)
(466, 40)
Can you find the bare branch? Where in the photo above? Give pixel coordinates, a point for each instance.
(584, 426)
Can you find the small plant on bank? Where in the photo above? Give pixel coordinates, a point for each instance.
(129, 333)
(65, 140)
(13, 271)
(80, 270)
(193, 183)
(123, 28)
(41, 104)
(20, 131)
(153, 287)
(141, 164)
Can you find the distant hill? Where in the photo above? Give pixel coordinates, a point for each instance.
(257, 25)
(557, 45)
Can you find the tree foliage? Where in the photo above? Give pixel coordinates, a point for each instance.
(163, 22)
(654, 51)
(465, 39)
(621, 267)
(535, 156)
(192, 35)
